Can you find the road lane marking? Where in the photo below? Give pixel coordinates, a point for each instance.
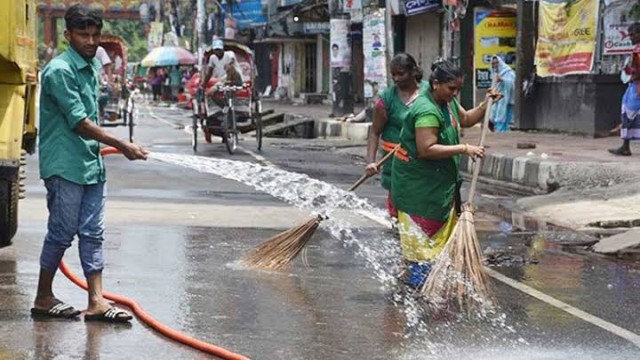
(549, 300)
(156, 117)
(612, 328)
(258, 157)
(378, 219)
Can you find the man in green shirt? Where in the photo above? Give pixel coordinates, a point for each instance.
(72, 167)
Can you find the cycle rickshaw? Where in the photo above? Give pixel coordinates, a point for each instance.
(242, 108)
(117, 107)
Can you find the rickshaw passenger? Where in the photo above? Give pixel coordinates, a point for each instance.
(218, 62)
(224, 67)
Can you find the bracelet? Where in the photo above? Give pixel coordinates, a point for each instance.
(483, 105)
(466, 147)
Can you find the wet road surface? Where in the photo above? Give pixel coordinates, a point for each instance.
(175, 237)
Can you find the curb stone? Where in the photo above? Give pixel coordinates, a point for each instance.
(546, 175)
(525, 171)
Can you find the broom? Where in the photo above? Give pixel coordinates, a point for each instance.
(278, 251)
(458, 273)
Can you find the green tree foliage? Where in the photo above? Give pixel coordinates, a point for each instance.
(133, 34)
(635, 11)
(130, 30)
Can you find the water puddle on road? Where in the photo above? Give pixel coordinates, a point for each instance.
(425, 334)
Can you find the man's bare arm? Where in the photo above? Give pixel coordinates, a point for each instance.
(89, 130)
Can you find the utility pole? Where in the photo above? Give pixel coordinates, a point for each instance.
(388, 30)
(201, 17)
(340, 57)
(174, 18)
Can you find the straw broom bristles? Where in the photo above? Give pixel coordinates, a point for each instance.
(458, 273)
(277, 252)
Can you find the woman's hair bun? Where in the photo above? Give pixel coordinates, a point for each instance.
(436, 63)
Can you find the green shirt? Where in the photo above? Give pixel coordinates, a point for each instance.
(397, 111)
(69, 94)
(426, 187)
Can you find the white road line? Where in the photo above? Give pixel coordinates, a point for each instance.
(549, 300)
(612, 328)
(380, 220)
(258, 157)
(153, 115)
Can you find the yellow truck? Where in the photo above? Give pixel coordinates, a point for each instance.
(18, 90)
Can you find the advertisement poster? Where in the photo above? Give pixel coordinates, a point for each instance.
(494, 34)
(354, 8)
(566, 37)
(156, 33)
(415, 7)
(616, 36)
(248, 13)
(350, 5)
(340, 47)
(374, 48)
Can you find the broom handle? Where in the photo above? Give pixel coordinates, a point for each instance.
(483, 134)
(378, 164)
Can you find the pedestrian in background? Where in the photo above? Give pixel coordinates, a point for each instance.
(390, 111)
(502, 111)
(175, 81)
(73, 169)
(157, 79)
(425, 173)
(630, 109)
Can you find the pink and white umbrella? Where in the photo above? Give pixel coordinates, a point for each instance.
(168, 56)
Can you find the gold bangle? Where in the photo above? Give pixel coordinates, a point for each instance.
(466, 147)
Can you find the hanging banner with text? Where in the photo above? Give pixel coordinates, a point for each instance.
(155, 35)
(616, 25)
(566, 37)
(340, 46)
(374, 49)
(494, 34)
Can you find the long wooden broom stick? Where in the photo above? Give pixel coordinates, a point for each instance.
(462, 251)
(278, 251)
(478, 163)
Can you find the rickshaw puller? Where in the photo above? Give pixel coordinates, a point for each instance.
(224, 67)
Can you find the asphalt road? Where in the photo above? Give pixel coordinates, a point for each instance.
(175, 238)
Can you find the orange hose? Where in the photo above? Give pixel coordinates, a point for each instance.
(148, 319)
(109, 150)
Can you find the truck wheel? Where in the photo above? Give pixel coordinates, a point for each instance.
(9, 192)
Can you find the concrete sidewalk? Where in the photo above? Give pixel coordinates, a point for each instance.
(579, 184)
(555, 161)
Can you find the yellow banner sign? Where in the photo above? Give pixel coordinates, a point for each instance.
(566, 37)
(495, 34)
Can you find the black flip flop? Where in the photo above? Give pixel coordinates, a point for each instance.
(620, 152)
(59, 310)
(112, 315)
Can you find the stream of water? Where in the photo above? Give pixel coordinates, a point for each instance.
(382, 254)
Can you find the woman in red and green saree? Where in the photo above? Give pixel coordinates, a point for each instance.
(391, 109)
(425, 172)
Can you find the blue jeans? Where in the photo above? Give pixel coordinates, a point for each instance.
(74, 210)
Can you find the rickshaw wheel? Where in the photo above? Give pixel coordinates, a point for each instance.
(258, 122)
(194, 132)
(196, 107)
(231, 132)
(130, 112)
